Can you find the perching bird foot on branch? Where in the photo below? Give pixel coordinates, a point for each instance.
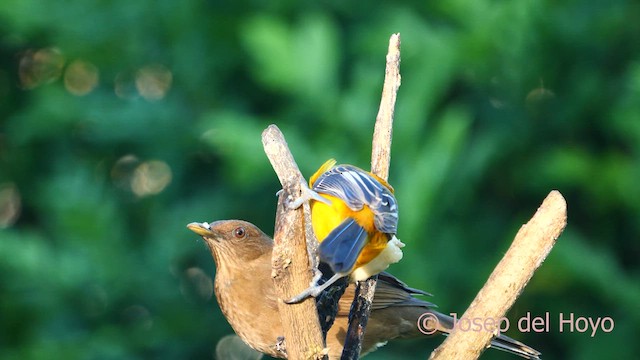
(280, 346)
(307, 195)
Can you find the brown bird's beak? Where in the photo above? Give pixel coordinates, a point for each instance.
(202, 229)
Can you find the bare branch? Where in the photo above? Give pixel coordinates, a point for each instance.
(382, 133)
(290, 260)
(380, 160)
(531, 246)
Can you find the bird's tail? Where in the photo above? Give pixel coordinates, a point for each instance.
(391, 292)
(501, 342)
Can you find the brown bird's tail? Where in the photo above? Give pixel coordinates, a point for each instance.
(515, 347)
(391, 290)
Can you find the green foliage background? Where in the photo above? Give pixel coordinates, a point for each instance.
(501, 102)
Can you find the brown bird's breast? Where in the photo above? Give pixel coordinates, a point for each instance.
(248, 301)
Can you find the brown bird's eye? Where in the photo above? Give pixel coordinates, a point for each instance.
(239, 232)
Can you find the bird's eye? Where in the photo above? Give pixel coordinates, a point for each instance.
(239, 232)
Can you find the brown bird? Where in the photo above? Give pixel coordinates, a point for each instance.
(244, 289)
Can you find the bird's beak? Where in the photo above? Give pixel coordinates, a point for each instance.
(202, 229)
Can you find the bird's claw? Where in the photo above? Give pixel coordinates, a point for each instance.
(280, 346)
(306, 195)
(314, 289)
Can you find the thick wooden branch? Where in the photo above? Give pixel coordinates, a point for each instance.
(380, 160)
(531, 246)
(290, 261)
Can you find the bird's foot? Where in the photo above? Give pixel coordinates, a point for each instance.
(314, 290)
(280, 346)
(310, 291)
(306, 195)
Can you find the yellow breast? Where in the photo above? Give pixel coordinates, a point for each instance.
(325, 218)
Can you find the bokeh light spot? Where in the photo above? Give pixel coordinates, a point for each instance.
(196, 284)
(138, 315)
(539, 94)
(123, 170)
(150, 178)
(125, 86)
(40, 67)
(81, 77)
(10, 204)
(153, 81)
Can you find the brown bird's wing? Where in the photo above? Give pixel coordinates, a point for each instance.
(389, 279)
(390, 291)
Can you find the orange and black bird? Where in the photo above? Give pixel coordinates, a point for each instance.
(355, 218)
(247, 297)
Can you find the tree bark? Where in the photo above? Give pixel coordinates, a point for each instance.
(290, 260)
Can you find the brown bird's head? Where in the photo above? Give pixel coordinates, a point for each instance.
(234, 240)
